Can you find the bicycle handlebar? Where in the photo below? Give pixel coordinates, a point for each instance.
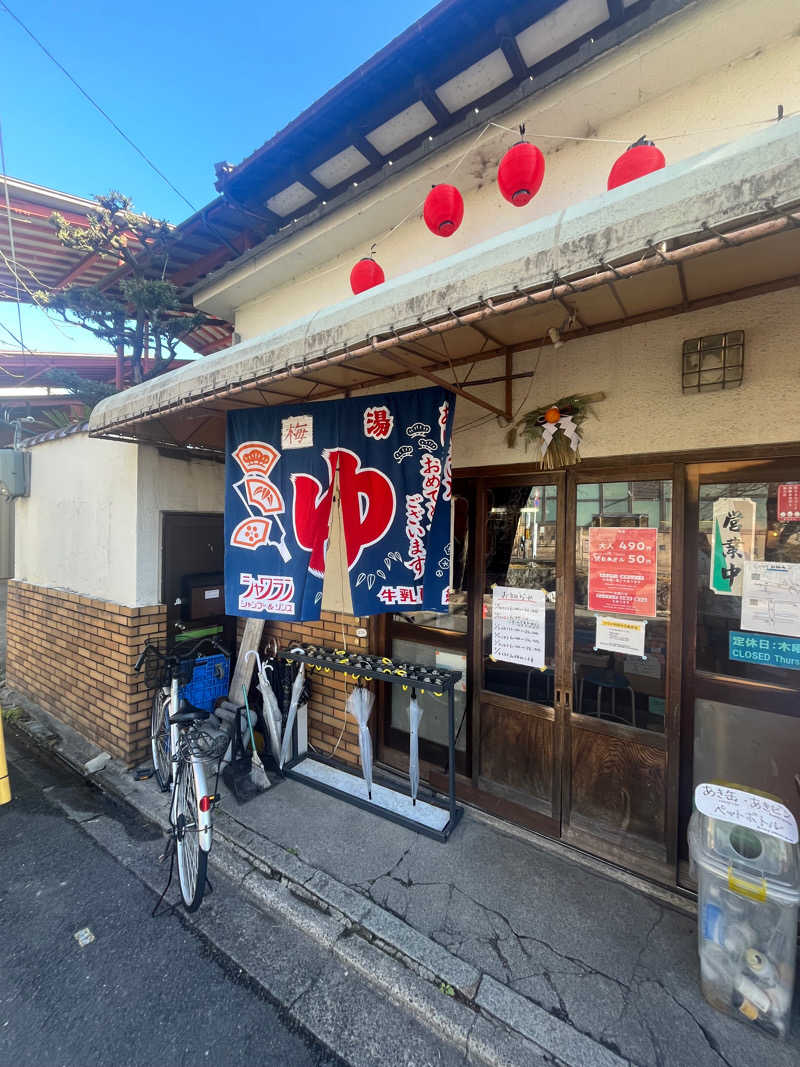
(172, 657)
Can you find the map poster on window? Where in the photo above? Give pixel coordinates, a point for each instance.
(518, 625)
(771, 598)
(732, 539)
(622, 569)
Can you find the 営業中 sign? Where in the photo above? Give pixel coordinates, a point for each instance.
(732, 539)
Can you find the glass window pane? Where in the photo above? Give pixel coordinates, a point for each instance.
(613, 685)
(774, 539)
(433, 725)
(521, 552)
(457, 618)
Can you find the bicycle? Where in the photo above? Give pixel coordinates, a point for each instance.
(158, 676)
(185, 751)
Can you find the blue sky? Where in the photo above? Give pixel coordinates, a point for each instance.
(191, 83)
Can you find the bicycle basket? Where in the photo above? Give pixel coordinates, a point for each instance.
(206, 744)
(184, 670)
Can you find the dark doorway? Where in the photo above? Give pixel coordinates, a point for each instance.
(192, 575)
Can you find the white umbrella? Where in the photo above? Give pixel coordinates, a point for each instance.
(297, 689)
(414, 716)
(272, 713)
(359, 705)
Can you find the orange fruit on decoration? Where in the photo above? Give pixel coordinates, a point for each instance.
(552, 415)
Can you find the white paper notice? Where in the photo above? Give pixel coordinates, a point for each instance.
(620, 635)
(518, 625)
(746, 809)
(771, 598)
(297, 432)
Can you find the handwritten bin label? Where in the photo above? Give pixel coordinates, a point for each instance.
(746, 809)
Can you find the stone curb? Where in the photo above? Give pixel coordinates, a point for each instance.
(332, 913)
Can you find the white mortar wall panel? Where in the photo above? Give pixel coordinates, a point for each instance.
(476, 81)
(77, 530)
(712, 69)
(562, 26)
(401, 128)
(167, 484)
(639, 370)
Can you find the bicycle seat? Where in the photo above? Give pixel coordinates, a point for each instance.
(189, 713)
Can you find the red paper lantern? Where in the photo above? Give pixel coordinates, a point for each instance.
(443, 210)
(641, 158)
(366, 274)
(521, 173)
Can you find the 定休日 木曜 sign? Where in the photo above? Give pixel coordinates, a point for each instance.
(766, 650)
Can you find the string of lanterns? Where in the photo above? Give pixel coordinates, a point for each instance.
(519, 178)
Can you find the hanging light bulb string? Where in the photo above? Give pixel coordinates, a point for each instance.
(417, 207)
(665, 137)
(521, 197)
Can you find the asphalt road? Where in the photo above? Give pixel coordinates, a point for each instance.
(144, 991)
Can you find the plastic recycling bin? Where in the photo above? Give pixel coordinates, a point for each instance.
(744, 855)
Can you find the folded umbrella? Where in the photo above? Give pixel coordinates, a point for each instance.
(297, 692)
(414, 716)
(359, 706)
(272, 712)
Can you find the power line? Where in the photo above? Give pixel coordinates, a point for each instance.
(11, 233)
(95, 105)
(13, 336)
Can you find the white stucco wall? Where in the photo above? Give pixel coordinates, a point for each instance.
(639, 370)
(715, 69)
(168, 484)
(77, 529)
(92, 522)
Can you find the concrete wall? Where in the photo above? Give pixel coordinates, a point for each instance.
(92, 523)
(715, 69)
(168, 484)
(77, 529)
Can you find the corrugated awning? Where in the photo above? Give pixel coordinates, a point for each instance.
(718, 227)
(42, 262)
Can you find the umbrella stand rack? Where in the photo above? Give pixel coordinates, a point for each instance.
(434, 816)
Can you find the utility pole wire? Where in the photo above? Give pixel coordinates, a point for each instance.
(11, 236)
(95, 105)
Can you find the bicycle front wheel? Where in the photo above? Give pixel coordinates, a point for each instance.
(159, 737)
(192, 860)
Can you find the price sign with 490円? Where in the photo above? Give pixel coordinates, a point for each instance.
(622, 569)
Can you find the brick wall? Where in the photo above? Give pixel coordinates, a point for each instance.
(326, 710)
(74, 656)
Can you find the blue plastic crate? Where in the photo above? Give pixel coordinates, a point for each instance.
(209, 681)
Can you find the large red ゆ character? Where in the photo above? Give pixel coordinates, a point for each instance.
(368, 508)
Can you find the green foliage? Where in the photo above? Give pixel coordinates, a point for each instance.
(12, 715)
(140, 309)
(85, 390)
(447, 989)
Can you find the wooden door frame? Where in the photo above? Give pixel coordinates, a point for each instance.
(509, 808)
(772, 465)
(669, 741)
